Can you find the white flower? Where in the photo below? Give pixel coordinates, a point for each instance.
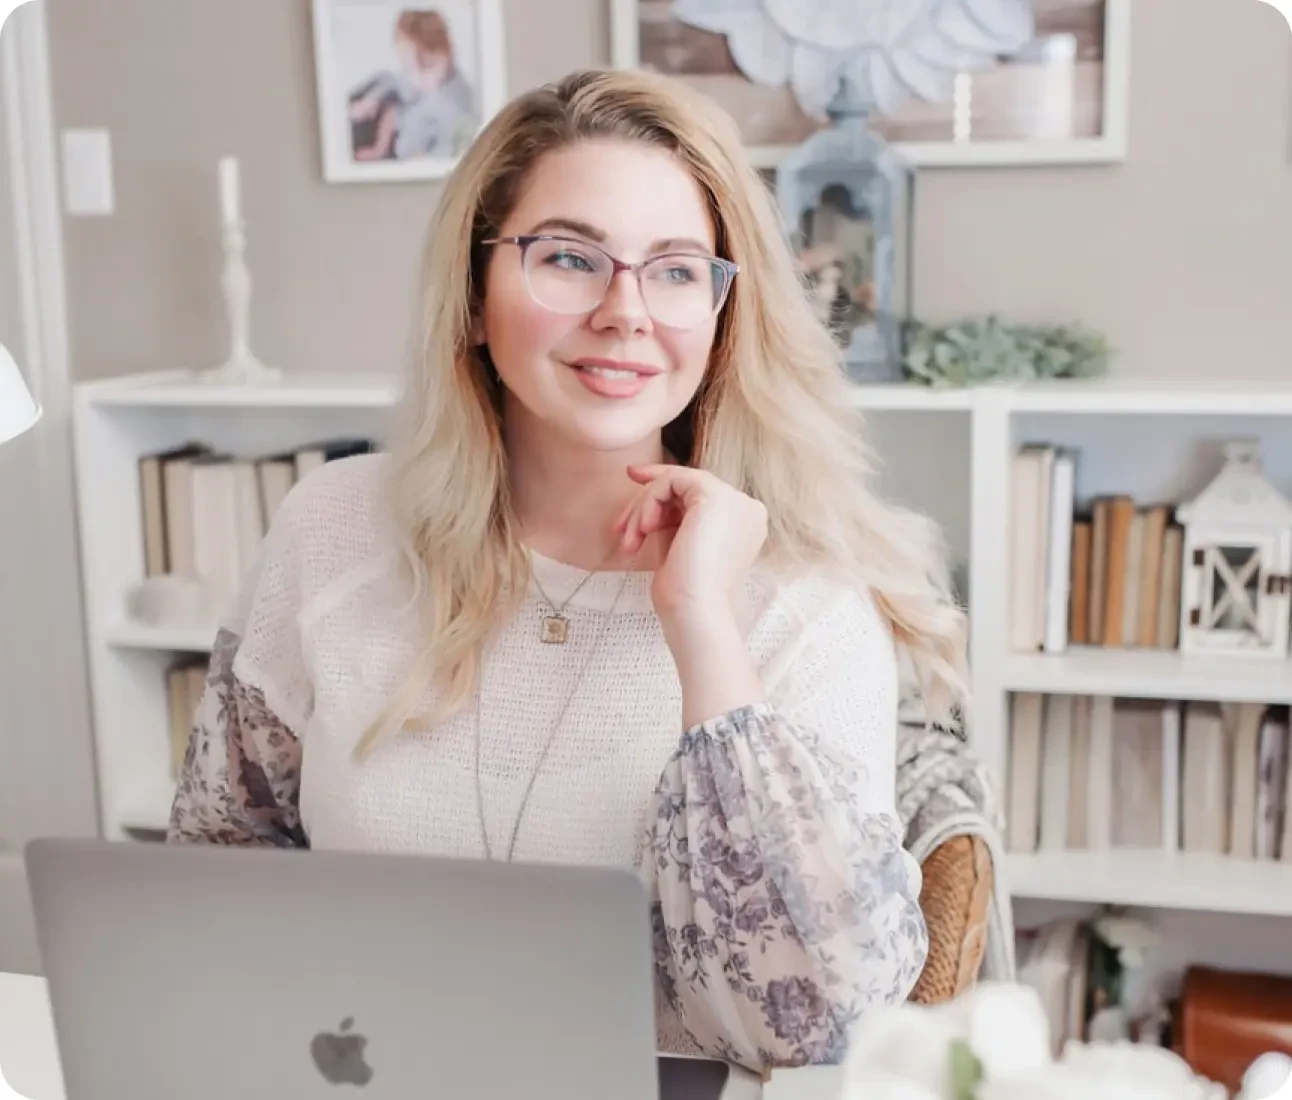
(886, 1086)
(1054, 1082)
(1268, 1078)
(906, 1042)
(1004, 1025)
(909, 1052)
(889, 49)
(1007, 1028)
(1155, 1072)
(1106, 1071)
(1131, 936)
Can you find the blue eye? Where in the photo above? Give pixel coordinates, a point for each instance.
(569, 261)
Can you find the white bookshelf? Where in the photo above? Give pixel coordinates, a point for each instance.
(947, 453)
(1149, 674)
(116, 422)
(1149, 879)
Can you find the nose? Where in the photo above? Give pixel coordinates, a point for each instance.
(622, 309)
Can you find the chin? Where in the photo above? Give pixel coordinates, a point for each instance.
(610, 441)
(610, 433)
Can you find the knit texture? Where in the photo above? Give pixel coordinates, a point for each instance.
(324, 636)
(327, 635)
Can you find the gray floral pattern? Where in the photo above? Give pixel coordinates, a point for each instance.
(781, 909)
(240, 782)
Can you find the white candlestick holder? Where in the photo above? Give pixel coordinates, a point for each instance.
(242, 367)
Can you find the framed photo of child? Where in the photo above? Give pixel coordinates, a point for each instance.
(404, 85)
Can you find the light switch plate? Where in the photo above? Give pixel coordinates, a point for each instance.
(87, 173)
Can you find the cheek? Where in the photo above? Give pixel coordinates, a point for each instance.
(517, 329)
(690, 350)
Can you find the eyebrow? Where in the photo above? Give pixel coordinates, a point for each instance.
(584, 229)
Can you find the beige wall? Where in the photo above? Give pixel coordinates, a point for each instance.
(1181, 254)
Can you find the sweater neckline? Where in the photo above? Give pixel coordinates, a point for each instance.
(559, 580)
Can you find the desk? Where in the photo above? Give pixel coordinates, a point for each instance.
(29, 1054)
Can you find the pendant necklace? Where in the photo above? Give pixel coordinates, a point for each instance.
(547, 745)
(554, 626)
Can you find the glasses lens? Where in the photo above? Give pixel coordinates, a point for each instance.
(683, 291)
(566, 276)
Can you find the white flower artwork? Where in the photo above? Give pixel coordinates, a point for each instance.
(952, 82)
(891, 50)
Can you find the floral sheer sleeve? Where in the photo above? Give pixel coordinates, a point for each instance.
(240, 782)
(784, 904)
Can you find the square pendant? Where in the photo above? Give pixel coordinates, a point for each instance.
(556, 629)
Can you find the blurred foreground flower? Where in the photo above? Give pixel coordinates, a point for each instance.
(993, 1043)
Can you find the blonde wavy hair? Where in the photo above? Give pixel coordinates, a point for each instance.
(775, 415)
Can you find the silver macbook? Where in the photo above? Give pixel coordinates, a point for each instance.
(208, 973)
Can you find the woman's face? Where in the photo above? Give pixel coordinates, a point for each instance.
(610, 377)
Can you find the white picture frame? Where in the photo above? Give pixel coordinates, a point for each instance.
(1109, 146)
(428, 102)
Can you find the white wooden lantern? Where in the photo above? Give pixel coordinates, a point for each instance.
(1237, 561)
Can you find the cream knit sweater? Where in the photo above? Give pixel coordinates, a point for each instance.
(322, 640)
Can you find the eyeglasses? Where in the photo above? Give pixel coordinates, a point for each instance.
(680, 290)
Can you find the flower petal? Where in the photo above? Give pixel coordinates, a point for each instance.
(887, 88)
(892, 49)
(905, 1041)
(718, 16)
(854, 25)
(1153, 1073)
(1008, 1029)
(1010, 23)
(759, 50)
(978, 31)
(883, 1086)
(814, 76)
(920, 77)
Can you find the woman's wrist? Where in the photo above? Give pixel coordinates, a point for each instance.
(714, 668)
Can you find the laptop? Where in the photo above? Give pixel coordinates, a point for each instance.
(209, 972)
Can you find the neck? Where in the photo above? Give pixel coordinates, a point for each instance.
(567, 498)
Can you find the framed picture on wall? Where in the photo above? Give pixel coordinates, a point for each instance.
(404, 85)
(1057, 96)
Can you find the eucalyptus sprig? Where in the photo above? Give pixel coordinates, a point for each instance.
(989, 349)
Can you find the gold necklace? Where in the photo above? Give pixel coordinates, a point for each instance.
(554, 626)
(547, 745)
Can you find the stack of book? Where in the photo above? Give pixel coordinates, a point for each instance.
(1094, 772)
(185, 682)
(1107, 573)
(204, 513)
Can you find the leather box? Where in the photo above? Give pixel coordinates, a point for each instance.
(1228, 1019)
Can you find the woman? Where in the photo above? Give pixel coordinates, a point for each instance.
(620, 594)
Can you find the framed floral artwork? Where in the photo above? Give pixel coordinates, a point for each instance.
(955, 82)
(404, 85)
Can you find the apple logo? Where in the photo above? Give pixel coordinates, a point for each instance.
(339, 1055)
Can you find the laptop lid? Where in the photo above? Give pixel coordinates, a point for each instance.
(209, 972)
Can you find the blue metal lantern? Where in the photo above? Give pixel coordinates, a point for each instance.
(845, 196)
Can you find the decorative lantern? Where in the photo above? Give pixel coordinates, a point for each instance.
(1237, 561)
(845, 196)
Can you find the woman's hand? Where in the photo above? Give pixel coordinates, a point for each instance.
(712, 534)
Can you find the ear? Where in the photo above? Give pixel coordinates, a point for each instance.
(477, 328)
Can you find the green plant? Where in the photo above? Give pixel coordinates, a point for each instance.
(988, 349)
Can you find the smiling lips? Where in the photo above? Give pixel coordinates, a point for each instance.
(614, 377)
